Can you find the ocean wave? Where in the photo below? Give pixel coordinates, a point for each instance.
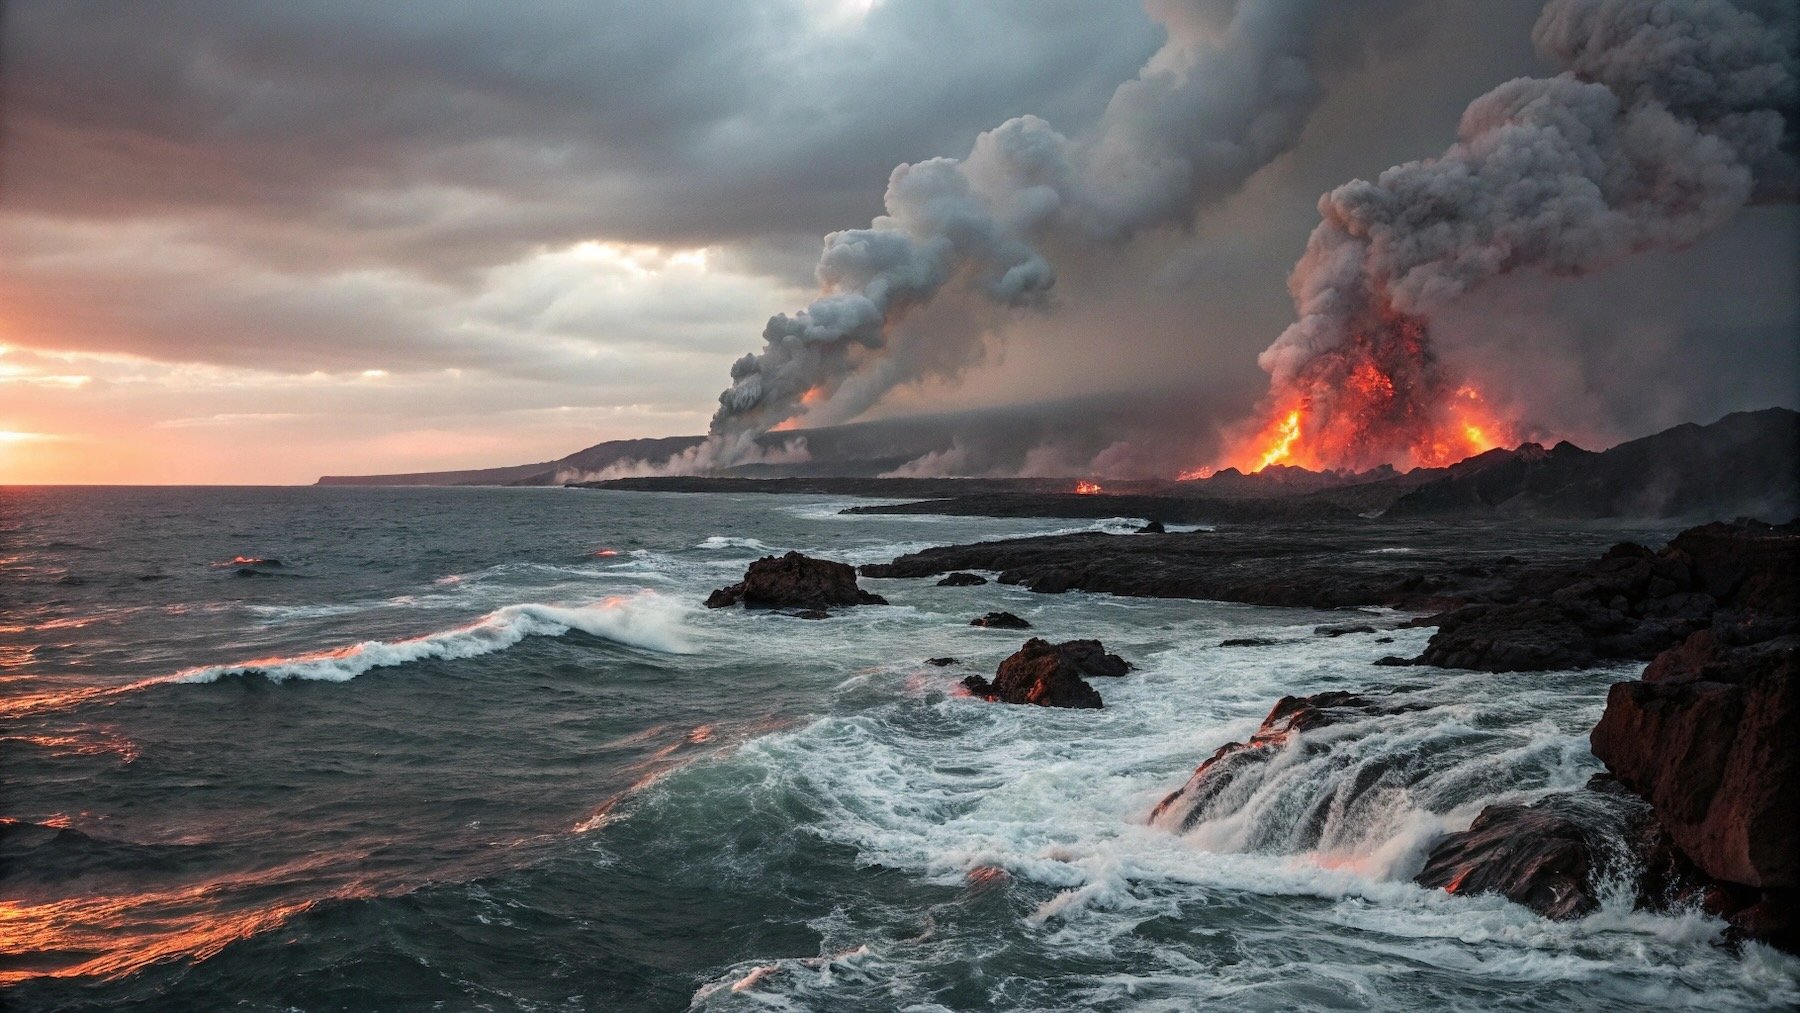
(729, 542)
(645, 621)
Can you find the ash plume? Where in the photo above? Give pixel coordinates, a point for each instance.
(1670, 116)
(1229, 90)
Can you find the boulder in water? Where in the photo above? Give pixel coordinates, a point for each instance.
(963, 580)
(1153, 528)
(795, 581)
(1050, 675)
(1000, 621)
(1549, 856)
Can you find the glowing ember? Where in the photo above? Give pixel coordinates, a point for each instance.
(1194, 474)
(1379, 398)
(1085, 488)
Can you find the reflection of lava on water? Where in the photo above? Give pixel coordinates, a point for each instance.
(605, 553)
(1380, 397)
(1085, 488)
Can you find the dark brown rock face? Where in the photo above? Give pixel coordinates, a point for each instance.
(1050, 675)
(1000, 621)
(1711, 736)
(1548, 856)
(795, 581)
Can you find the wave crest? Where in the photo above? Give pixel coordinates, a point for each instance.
(645, 621)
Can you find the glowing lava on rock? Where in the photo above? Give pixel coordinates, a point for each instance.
(1086, 488)
(1379, 398)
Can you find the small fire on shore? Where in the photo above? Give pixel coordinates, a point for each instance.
(1086, 488)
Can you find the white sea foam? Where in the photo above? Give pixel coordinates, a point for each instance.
(716, 542)
(645, 621)
(943, 787)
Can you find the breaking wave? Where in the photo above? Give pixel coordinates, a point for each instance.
(645, 621)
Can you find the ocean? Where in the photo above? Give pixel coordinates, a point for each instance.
(483, 749)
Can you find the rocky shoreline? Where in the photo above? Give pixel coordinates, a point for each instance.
(1702, 758)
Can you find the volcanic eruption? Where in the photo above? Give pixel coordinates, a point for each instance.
(1668, 118)
(1230, 89)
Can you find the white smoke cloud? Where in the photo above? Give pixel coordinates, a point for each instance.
(704, 458)
(1229, 90)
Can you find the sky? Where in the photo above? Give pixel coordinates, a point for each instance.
(257, 242)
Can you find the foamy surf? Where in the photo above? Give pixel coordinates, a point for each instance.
(647, 621)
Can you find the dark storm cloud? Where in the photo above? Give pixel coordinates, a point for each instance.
(455, 134)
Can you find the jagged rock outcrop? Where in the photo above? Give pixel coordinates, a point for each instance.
(1630, 604)
(1550, 855)
(963, 580)
(795, 581)
(1000, 621)
(1192, 802)
(1050, 675)
(1707, 737)
(1711, 737)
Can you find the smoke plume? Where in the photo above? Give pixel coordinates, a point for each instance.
(1229, 90)
(1669, 117)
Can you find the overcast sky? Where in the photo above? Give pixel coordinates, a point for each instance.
(257, 242)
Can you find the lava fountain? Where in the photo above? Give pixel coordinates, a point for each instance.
(1380, 397)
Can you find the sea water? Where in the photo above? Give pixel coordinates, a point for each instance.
(483, 749)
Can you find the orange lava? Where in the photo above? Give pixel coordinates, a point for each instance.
(605, 553)
(1380, 398)
(1086, 488)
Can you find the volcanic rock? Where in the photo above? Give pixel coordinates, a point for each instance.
(940, 662)
(1050, 675)
(1710, 737)
(1193, 801)
(1631, 603)
(1248, 642)
(1745, 463)
(795, 581)
(1339, 631)
(963, 580)
(1153, 528)
(1000, 621)
(1549, 856)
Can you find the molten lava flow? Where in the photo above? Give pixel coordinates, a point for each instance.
(1086, 488)
(1380, 397)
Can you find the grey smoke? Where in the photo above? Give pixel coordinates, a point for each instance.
(1669, 118)
(1229, 90)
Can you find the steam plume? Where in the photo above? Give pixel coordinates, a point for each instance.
(1229, 90)
(1669, 118)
